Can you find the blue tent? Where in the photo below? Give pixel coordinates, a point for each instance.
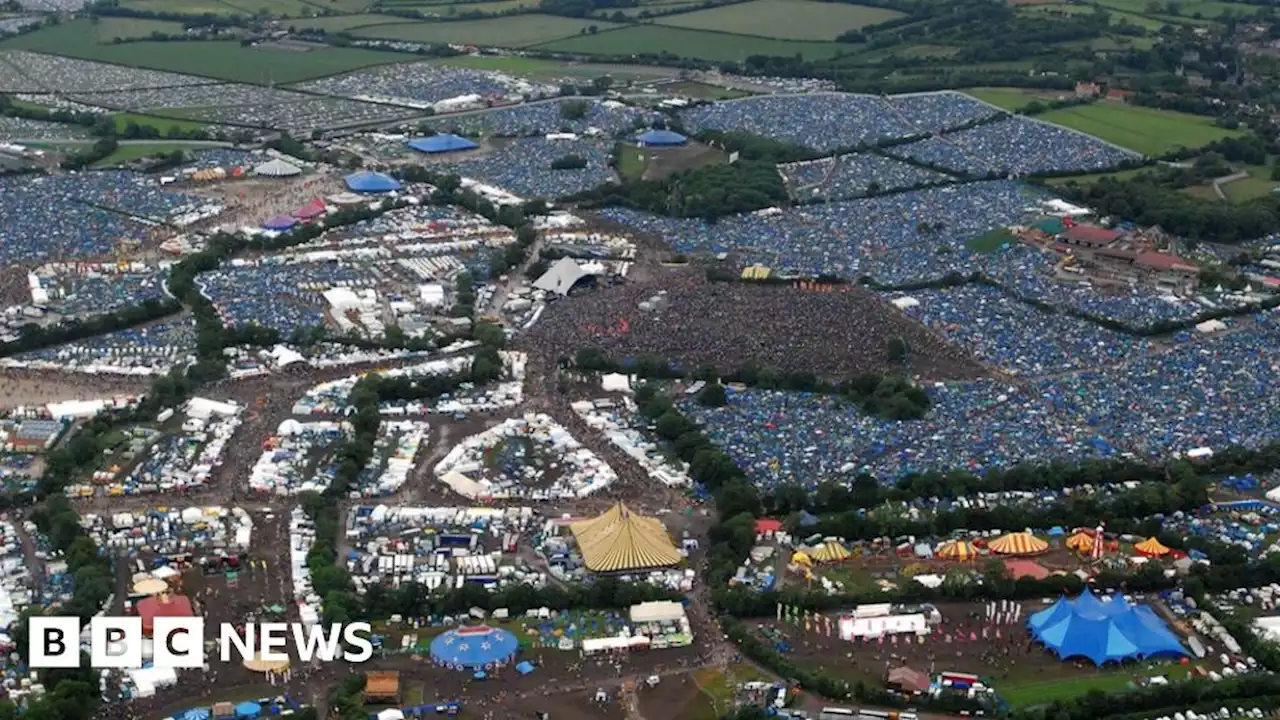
(196, 714)
(1103, 632)
(371, 182)
(248, 710)
(281, 222)
(661, 138)
(524, 668)
(443, 143)
(474, 648)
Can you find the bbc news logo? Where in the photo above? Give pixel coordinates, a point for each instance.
(178, 642)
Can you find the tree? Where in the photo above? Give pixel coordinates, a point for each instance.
(574, 109)
(896, 348)
(713, 395)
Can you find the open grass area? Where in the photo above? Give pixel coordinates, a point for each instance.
(784, 19)
(1258, 184)
(1031, 688)
(702, 91)
(1187, 9)
(275, 8)
(1147, 130)
(631, 162)
(1094, 177)
(183, 7)
(453, 10)
(125, 153)
(344, 22)
(160, 123)
(1007, 98)
(110, 28)
(991, 242)
(224, 60)
(516, 31)
(649, 8)
(716, 47)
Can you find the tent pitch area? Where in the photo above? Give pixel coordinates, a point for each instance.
(443, 143)
(621, 541)
(1103, 631)
(661, 138)
(371, 182)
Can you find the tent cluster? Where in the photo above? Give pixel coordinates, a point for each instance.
(1103, 631)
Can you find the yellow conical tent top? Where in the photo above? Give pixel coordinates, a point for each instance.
(831, 551)
(957, 550)
(619, 540)
(1151, 547)
(1019, 543)
(1080, 542)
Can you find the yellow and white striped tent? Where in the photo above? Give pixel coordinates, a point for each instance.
(1151, 547)
(1020, 543)
(621, 541)
(957, 550)
(830, 551)
(1081, 542)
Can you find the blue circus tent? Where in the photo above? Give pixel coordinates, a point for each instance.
(282, 222)
(474, 648)
(443, 143)
(1111, 631)
(661, 138)
(371, 182)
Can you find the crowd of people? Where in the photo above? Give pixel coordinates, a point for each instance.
(1017, 337)
(855, 175)
(542, 118)
(424, 84)
(524, 167)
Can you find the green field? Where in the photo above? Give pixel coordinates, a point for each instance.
(124, 153)
(785, 19)
(716, 47)
(992, 241)
(517, 31)
(1006, 98)
(275, 8)
(185, 7)
(224, 60)
(1187, 9)
(451, 10)
(637, 10)
(1146, 130)
(109, 28)
(160, 123)
(631, 162)
(344, 22)
(1258, 184)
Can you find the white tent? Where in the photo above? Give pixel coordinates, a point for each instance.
(657, 611)
(277, 168)
(204, 408)
(391, 714)
(561, 278)
(615, 382)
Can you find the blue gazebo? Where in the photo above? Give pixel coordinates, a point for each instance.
(473, 648)
(442, 143)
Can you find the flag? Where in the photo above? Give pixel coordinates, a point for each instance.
(779, 612)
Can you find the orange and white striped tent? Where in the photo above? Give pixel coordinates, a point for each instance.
(957, 550)
(1151, 547)
(1019, 543)
(1081, 542)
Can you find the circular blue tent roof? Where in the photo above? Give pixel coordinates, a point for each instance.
(1103, 632)
(248, 710)
(661, 137)
(371, 182)
(443, 143)
(474, 648)
(280, 222)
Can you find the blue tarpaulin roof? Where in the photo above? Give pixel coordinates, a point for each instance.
(1103, 632)
(282, 222)
(445, 142)
(371, 182)
(661, 137)
(473, 648)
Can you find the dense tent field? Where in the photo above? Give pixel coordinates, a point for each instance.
(1147, 130)
(515, 31)
(786, 19)
(224, 60)
(713, 46)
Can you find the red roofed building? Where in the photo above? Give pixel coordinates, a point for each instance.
(163, 606)
(1089, 236)
(768, 525)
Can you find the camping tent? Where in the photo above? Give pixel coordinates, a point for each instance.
(442, 143)
(1111, 631)
(1151, 547)
(277, 168)
(371, 182)
(621, 541)
(1021, 543)
(957, 550)
(661, 138)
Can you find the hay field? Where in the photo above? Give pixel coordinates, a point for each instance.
(784, 19)
(344, 22)
(712, 46)
(184, 7)
(110, 28)
(515, 31)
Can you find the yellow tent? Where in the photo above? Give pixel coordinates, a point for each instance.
(799, 558)
(957, 550)
(1021, 543)
(1081, 542)
(831, 551)
(1151, 547)
(619, 541)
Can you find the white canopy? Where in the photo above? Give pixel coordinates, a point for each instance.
(277, 168)
(561, 278)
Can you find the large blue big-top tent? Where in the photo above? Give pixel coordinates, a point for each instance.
(371, 182)
(442, 143)
(661, 138)
(474, 648)
(1111, 631)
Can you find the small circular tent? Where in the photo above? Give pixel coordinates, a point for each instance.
(1151, 547)
(957, 550)
(1081, 542)
(277, 168)
(371, 182)
(831, 551)
(478, 647)
(1021, 543)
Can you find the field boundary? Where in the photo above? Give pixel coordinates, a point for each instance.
(632, 26)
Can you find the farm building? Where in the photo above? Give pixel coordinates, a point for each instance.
(661, 138)
(382, 688)
(371, 182)
(442, 143)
